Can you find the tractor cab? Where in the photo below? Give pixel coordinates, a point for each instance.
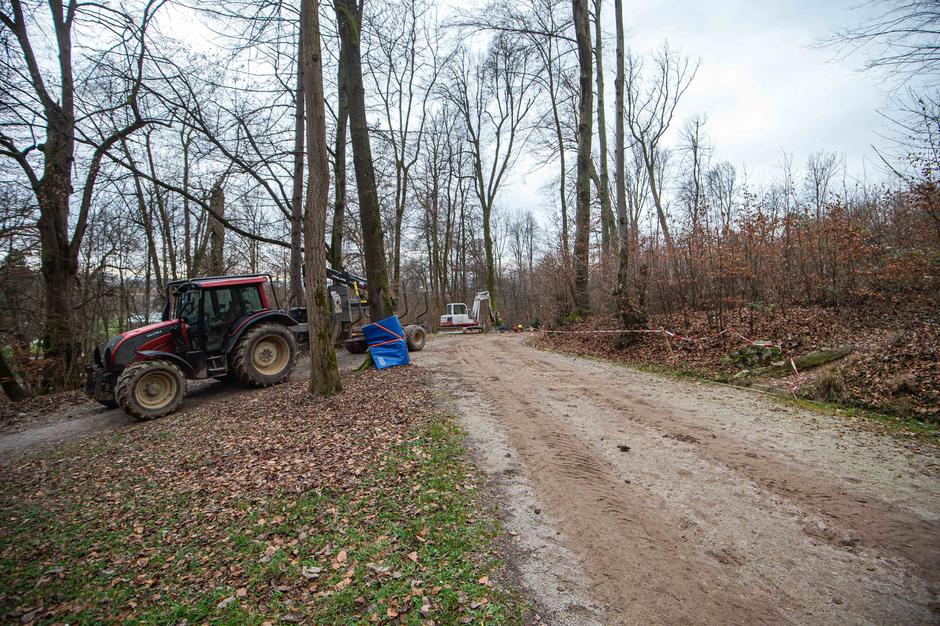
(215, 327)
(209, 311)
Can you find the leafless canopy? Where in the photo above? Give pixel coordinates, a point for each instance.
(903, 38)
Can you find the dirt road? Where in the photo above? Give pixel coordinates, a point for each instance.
(640, 499)
(88, 418)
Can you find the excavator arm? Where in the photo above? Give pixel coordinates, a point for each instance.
(478, 300)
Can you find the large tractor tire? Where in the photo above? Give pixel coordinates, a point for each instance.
(265, 355)
(150, 389)
(415, 337)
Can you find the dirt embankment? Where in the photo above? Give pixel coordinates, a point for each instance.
(680, 502)
(892, 364)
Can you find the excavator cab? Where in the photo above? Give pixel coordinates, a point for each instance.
(456, 315)
(456, 319)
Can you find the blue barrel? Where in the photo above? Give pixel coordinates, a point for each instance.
(386, 339)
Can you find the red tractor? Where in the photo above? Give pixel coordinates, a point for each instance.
(220, 327)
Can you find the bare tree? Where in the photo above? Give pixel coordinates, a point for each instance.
(903, 38)
(602, 180)
(695, 152)
(339, 165)
(441, 186)
(493, 98)
(631, 316)
(545, 27)
(902, 42)
(349, 18)
(324, 376)
(582, 300)
(296, 290)
(28, 84)
(650, 109)
(404, 66)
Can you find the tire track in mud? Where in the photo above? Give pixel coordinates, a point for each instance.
(864, 518)
(698, 522)
(617, 531)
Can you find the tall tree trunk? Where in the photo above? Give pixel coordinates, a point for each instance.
(324, 376)
(397, 229)
(349, 18)
(585, 130)
(562, 170)
(490, 264)
(620, 183)
(54, 187)
(14, 391)
(57, 271)
(631, 316)
(296, 287)
(215, 259)
(187, 215)
(339, 171)
(603, 191)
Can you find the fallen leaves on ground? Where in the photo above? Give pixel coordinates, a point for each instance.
(32, 412)
(273, 506)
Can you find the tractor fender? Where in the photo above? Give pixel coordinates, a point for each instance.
(266, 317)
(153, 355)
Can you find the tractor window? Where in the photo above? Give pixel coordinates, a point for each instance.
(221, 304)
(222, 308)
(251, 299)
(188, 306)
(460, 309)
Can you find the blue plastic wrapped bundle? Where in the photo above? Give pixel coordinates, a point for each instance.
(386, 339)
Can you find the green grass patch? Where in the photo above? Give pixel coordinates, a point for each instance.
(408, 541)
(891, 423)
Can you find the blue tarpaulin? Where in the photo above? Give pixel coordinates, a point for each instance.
(386, 339)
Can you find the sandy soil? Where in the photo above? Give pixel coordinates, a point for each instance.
(87, 418)
(636, 499)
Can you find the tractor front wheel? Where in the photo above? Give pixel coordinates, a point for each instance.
(265, 355)
(150, 389)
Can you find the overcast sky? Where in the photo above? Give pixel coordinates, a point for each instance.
(762, 85)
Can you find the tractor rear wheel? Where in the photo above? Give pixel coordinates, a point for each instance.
(415, 337)
(265, 355)
(150, 389)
